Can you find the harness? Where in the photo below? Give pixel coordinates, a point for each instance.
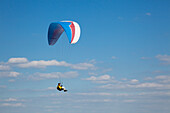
(59, 88)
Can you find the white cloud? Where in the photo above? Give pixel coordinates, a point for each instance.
(113, 86)
(82, 66)
(93, 61)
(46, 89)
(12, 105)
(4, 67)
(13, 74)
(147, 85)
(123, 94)
(10, 100)
(95, 94)
(100, 78)
(145, 58)
(17, 60)
(134, 81)
(113, 57)
(94, 100)
(91, 73)
(51, 88)
(91, 78)
(24, 63)
(159, 82)
(163, 78)
(139, 85)
(44, 64)
(156, 93)
(164, 58)
(148, 14)
(104, 77)
(9, 74)
(53, 75)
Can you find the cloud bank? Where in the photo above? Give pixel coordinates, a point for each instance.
(54, 75)
(165, 59)
(24, 63)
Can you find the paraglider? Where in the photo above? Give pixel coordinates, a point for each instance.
(71, 28)
(60, 87)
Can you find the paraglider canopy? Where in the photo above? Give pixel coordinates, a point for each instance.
(71, 28)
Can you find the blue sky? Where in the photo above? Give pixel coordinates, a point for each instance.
(121, 64)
